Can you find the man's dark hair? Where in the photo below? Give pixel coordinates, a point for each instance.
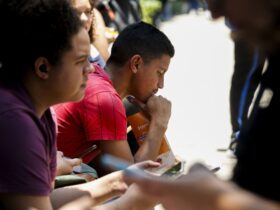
(31, 29)
(143, 39)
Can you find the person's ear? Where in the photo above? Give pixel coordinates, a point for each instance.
(135, 63)
(42, 68)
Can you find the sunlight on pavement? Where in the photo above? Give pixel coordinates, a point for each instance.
(198, 83)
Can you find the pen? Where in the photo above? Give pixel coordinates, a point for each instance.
(86, 151)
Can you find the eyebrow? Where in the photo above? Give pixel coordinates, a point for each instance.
(82, 56)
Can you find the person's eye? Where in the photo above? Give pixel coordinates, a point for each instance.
(161, 73)
(80, 62)
(88, 12)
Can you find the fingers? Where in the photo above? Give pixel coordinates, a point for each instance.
(74, 162)
(137, 170)
(159, 108)
(156, 107)
(158, 100)
(146, 164)
(59, 154)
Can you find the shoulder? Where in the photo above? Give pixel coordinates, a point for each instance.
(109, 100)
(8, 101)
(99, 81)
(23, 154)
(21, 127)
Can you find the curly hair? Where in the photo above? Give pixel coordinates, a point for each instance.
(32, 29)
(92, 27)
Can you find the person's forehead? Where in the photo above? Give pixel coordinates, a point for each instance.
(80, 3)
(80, 44)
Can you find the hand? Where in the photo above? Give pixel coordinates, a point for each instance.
(138, 168)
(65, 165)
(197, 190)
(159, 109)
(117, 182)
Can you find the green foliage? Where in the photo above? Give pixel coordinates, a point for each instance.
(149, 9)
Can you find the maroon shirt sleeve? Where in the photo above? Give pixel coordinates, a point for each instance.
(27, 157)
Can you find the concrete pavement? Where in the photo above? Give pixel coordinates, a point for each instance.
(198, 83)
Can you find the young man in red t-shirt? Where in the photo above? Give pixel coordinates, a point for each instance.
(139, 59)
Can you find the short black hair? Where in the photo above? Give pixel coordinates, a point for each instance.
(143, 39)
(34, 28)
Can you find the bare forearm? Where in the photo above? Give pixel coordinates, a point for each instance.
(105, 187)
(133, 199)
(62, 196)
(100, 190)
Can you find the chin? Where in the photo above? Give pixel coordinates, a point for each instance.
(78, 97)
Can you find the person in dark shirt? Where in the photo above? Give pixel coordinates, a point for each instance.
(255, 183)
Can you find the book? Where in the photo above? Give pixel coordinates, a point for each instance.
(139, 122)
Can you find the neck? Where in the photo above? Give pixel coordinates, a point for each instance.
(119, 78)
(38, 98)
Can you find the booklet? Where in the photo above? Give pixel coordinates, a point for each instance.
(139, 122)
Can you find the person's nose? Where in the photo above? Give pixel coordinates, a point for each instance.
(161, 83)
(84, 17)
(89, 68)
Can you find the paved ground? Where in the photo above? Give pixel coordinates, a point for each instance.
(198, 84)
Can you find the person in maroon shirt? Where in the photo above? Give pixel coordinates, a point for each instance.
(55, 70)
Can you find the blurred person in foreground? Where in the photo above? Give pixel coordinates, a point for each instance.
(252, 187)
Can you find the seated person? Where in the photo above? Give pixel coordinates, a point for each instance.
(103, 36)
(139, 60)
(54, 70)
(87, 16)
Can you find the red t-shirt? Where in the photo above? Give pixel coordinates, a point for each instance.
(99, 116)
